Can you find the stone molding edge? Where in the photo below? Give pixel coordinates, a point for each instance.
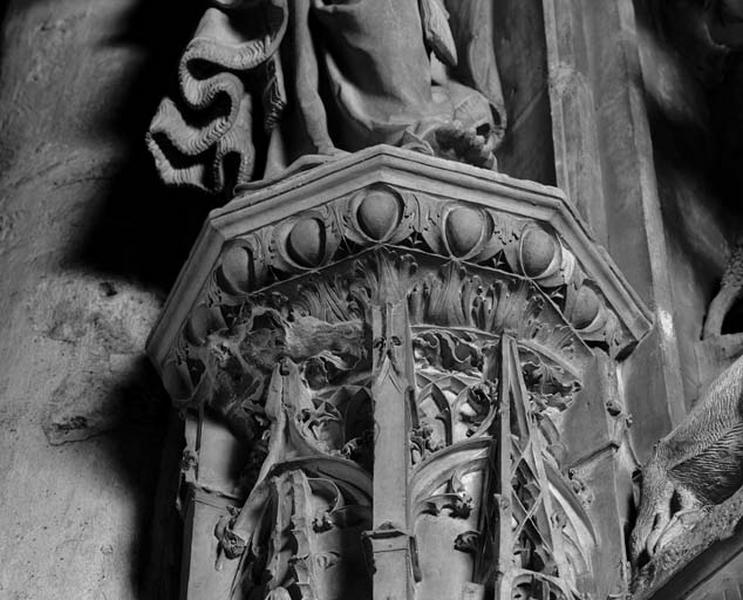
(393, 166)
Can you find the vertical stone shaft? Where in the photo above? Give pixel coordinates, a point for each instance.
(503, 541)
(599, 115)
(392, 383)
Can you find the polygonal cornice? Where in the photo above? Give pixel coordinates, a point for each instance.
(398, 199)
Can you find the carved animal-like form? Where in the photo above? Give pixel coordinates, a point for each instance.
(239, 362)
(697, 465)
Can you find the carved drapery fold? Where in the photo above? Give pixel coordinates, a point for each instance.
(263, 83)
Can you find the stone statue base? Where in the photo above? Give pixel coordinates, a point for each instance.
(399, 381)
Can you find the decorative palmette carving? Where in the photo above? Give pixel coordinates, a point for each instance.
(449, 298)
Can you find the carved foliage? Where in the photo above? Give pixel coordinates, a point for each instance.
(227, 352)
(488, 363)
(449, 230)
(306, 541)
(541, 566)
(500, 495)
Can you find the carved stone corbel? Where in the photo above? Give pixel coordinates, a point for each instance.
(401, 352)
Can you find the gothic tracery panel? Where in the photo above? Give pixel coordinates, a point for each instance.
(400, 367)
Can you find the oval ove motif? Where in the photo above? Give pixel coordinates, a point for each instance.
(464, 229)
(378, 214)
(235, 272)
(306, 242)
(539, 252)
(586, 308)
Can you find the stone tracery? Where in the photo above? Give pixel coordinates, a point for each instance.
(401, 366)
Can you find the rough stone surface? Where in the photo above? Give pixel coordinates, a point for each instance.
(103, 329)
(89, 245)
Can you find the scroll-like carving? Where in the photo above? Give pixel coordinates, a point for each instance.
(263, 83)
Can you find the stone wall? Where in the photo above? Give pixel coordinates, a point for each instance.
(689, 106)
(90, 243)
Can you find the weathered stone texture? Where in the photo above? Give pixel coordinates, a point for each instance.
(86, 255)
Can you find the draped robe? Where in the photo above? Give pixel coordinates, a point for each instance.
(265, 82)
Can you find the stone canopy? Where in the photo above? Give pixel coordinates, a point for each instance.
(391, 362)
(536, 229)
